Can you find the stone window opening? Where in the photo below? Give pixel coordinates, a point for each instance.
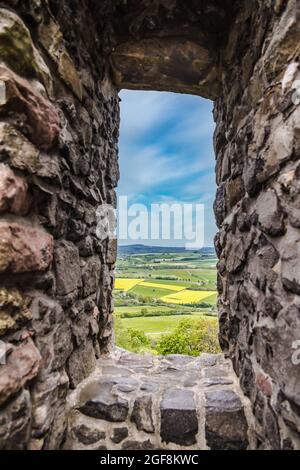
(165, 150)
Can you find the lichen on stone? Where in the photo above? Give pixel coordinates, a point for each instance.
(18, 51)
(14, 310)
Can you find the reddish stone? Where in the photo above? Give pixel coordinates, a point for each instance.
(22, 366)
(264, 384)
(13, 192)
(42, 118)
(23, 248)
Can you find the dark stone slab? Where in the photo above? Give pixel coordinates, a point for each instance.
(226, 425)
(179, 423)
(100, 402)
(136, 445)
(88, 436)
(119, 434)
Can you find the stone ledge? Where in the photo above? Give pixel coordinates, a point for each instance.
(144, 402)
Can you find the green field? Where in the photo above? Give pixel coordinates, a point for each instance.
(152, 292)
(146, 303)
(154, 327)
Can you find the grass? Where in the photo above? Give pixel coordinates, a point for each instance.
(151, 292)
(155, 326)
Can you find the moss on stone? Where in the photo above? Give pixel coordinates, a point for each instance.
(17, 49)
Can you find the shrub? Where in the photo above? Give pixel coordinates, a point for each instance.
(132, 340)
(191, 337)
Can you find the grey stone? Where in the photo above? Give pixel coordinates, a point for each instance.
(270, 215)
(125, 384)
(15, 423)
(211, 382)
(216, 372)
(208, 360)
(115, 371)
(225, 425)
(179, 422)
(142, 414)
(67, 267)
(291, 267)
(91, 273)
(81, 363)
(219, 205)
(149, 387)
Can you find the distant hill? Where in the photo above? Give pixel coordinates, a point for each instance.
(124, 250)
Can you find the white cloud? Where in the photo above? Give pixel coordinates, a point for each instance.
(166, 150)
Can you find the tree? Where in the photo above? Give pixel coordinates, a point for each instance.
(191, 337)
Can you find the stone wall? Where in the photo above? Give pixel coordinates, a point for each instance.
(59, 119)
(257, 143)
(61, 64)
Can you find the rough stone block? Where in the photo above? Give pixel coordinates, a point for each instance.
(100, 402)
(21, 153)
(226, 425)
(14, 311)
(290, 273)
(270, 215)
(53, 41)
(119, 434)
(22, 365)
(13, 192)
(15, 420)
(81, 362)
(43, 123)
(179, 422)
(137, 445)
(24, 248)
(17, 49)
(67, 267)
(86, 435)
(142, 414)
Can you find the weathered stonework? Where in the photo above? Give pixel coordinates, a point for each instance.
(61, 67)
(257, 141)
(59, 117)
(173, 402)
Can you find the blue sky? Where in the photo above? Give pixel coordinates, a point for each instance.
(166, 153)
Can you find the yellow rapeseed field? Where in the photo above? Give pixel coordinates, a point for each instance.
(126, 284)
(163, 286)
(187, 296)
